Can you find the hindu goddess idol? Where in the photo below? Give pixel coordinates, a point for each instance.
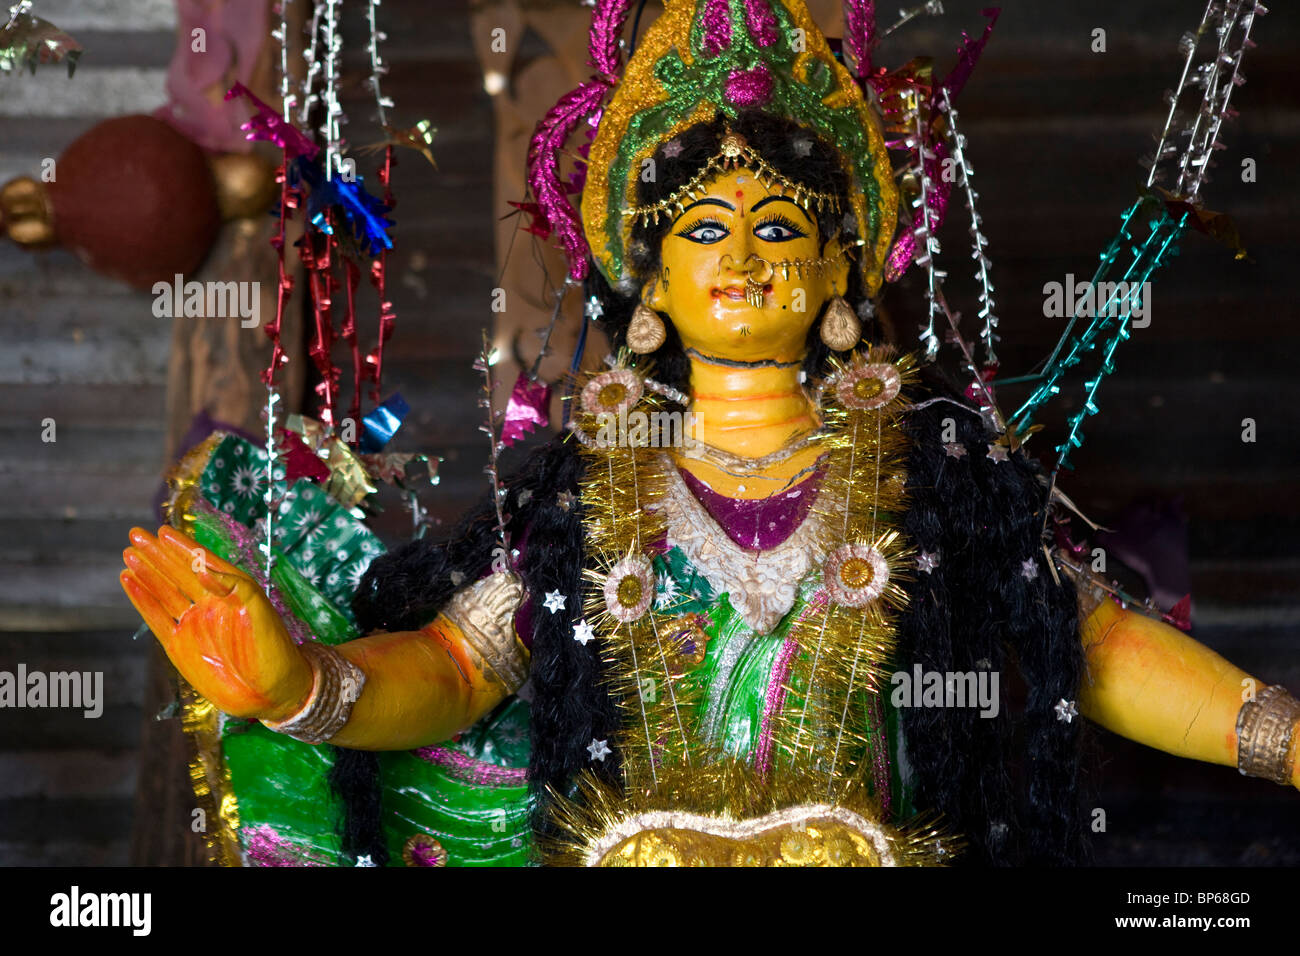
(703, 635)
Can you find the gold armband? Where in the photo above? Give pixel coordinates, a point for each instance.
(1266, 735)
(336, 685)
(485, 614)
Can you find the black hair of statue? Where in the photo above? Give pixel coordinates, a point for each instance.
(1010, 784)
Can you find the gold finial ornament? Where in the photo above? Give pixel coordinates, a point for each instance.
(841, 329)
(733, 146)
(26, 216)
(646, 332)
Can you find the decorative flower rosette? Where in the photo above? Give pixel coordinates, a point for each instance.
(609, 393)
(855, 575)
(869, 385)
(629, 588)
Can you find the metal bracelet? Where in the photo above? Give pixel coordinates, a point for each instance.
(336, 686)
(1266, 735)
(485, 614)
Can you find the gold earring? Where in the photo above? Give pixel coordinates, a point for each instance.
(646, 331)
(841, 329)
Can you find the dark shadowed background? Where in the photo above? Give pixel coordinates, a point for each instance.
(1055, 131)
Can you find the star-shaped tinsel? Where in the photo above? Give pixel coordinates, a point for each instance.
(954, 449)
(593, 310)
(599, 749)
(583, 632)
(554, 601)
(927, 561)
(1065, 710)
(666, 585)
(997, 453)
(673, 148)
(565, 500)
(802, 147)
(365, 861)
(1029, 569)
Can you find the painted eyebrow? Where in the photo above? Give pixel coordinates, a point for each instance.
(764, 201)
(708, 201)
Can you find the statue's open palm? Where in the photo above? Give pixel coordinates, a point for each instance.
(219, 629)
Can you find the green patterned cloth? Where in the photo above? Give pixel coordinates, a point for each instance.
(469, 795)
(738, 666)
(324, 541)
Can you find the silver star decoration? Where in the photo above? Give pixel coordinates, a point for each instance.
(672, 149)
(1029, 569)
(565, 500)
(927, 562)
(583, 632)
(593, 310)
(666, 585)
(1065, 710)
(524, 497)
(554, 601)
(365, 861)
(457, 578)
(954, 449)
(802, 147)
(599, 749)
(997, 453)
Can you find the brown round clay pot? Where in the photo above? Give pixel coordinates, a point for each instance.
(136, 200)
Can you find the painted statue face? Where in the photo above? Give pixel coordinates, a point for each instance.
(735, 240)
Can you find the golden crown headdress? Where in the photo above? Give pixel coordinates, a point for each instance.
(699, 60)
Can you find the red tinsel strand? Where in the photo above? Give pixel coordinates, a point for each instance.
(351, 273)
(317, 247)
(379, 279)
(284, 286)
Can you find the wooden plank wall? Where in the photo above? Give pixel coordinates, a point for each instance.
(1054, 134)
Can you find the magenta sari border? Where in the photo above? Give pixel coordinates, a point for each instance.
(469, 770)
(775, 698)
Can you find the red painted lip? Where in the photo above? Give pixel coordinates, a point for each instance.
(735, 292)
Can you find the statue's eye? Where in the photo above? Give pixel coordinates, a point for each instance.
(778, 229)
(705, 231)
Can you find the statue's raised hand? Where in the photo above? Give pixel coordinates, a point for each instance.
(216, 625)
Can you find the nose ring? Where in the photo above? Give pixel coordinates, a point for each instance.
(760, 271)
(757, 275)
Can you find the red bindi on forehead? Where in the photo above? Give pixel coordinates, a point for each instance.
(740, 201)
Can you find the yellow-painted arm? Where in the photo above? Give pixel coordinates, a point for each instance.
(224, 636)
(422, 687)
(1153, 684)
